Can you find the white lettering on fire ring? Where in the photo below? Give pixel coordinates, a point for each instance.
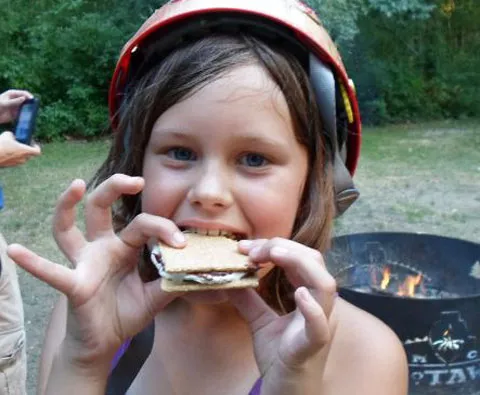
(459, 374)
(472, 354)
(419, 358)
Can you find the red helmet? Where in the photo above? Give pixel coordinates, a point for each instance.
(288, 21)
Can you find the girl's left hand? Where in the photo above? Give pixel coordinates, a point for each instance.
(291, 350)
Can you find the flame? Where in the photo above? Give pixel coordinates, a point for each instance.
(386, 278)
(409, 285)
(407, 288)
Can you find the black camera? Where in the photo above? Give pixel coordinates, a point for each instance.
(25, 125)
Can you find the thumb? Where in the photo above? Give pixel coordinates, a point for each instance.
(34, 150)
(8, 135)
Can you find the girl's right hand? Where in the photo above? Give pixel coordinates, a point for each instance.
(108, 302)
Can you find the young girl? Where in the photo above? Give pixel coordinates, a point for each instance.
(232, 116)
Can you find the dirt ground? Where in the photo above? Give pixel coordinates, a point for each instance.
(400, 198)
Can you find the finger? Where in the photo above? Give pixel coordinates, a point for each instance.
(303, 266)
(25, 149)
(262, 251)
(98, 212)
(252, 308)
(36, 149)
(316, 333)
(57, 276)
(245, 246)
(18, 93)
(67, 235)
(14, 103)
(145, 227)
(32, 150)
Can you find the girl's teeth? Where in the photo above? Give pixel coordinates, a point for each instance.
(209, 232)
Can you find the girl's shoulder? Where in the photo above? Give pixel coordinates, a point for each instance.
(365, 346)
(361, 331)
(352, 318)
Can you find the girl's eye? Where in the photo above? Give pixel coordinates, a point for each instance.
(253, 160)
(182, 154)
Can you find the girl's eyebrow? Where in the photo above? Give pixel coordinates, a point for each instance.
(250, 139)
(264, 141)
(174, 131)
(171, 133)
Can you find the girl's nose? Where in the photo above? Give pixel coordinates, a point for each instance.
(211, 190)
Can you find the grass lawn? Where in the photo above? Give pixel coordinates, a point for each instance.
(32, 190)
(419, 178)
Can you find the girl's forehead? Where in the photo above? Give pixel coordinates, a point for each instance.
(240, 86)
(246, 97)
(248, 78)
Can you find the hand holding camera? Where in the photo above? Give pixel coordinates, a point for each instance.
(21, 106)
(14, 153)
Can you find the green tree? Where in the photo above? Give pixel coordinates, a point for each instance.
(410, 59)
(64, 52)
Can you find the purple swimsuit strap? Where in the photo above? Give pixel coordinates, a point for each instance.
(124, 347)
(256, 388)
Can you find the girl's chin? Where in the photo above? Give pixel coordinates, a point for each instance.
(206, 297)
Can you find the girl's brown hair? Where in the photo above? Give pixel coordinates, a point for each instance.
(186, 70)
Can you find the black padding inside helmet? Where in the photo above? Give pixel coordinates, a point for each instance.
(157, 45)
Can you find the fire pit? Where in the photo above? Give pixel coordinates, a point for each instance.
(427, 289)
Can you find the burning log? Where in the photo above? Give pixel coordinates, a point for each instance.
(409, 287)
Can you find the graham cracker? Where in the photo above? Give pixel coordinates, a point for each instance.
(204, 254)
(170, 286)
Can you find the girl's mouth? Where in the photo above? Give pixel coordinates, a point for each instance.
(214, 232)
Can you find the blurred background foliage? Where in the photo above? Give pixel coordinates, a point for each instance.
(411, 60)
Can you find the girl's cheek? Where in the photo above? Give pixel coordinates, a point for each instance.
(164, 199)
(153, 200)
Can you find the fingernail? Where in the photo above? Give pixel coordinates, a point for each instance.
(179, 238)
(279, 251)
(305, 294)
(255, 251)
(245, 243)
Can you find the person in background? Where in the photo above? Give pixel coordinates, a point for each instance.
(13, 359)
